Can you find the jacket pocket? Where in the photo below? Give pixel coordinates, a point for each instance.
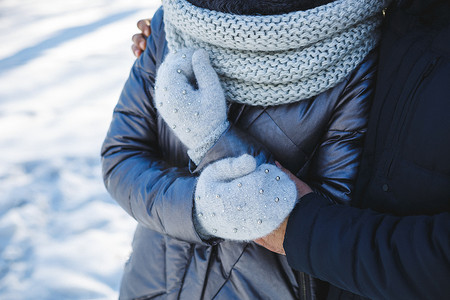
(408, 108)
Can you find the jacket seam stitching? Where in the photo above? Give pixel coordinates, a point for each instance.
(362, 130)
(129, 113)
(191, 255)
(285, 134)
(231, 271)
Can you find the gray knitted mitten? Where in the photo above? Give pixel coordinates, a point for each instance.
(191, 101)
(238, 200)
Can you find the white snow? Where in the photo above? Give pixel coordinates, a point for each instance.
(62, 67)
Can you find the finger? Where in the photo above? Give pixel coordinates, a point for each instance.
(232, 168)
(144, 27)
(136, 38)
(204, 73)
(136, 51)
(140, 41)
(142, 45)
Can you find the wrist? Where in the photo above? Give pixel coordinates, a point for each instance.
(197, 153)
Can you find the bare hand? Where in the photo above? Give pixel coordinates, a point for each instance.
(274, 240)
(140, 39)
(302, 188)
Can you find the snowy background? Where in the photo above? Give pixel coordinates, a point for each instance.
(62, 67)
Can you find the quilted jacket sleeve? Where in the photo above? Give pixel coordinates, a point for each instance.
(158, 195)
(368, 253)
(334, 165)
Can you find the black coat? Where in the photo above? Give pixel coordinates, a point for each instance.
(397, 245)
(145, 169)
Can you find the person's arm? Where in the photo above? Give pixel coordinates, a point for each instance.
(375, 255)
(156, 193)
(368, 253)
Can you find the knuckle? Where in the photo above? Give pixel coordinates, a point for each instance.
(143, 24)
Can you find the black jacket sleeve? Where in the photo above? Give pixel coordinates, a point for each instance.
(157, 194)
(368, 253)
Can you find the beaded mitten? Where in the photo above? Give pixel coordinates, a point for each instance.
(189, 97)
(238, 200)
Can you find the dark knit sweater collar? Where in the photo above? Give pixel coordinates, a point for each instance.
(258, 7)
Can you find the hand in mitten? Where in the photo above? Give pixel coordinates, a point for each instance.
(238, 200)
(191, 101)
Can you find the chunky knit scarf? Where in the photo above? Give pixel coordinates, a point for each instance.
(278, 59)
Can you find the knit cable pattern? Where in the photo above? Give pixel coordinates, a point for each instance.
(279, 59)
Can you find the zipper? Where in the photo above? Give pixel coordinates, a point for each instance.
(306, 290)
(303, 285)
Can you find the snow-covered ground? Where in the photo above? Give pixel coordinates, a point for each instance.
(62, 67)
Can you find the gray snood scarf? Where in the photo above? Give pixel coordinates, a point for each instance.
(278, 59)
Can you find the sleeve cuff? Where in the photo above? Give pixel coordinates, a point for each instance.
(232, 143)
(180, 223)
(198, 153)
